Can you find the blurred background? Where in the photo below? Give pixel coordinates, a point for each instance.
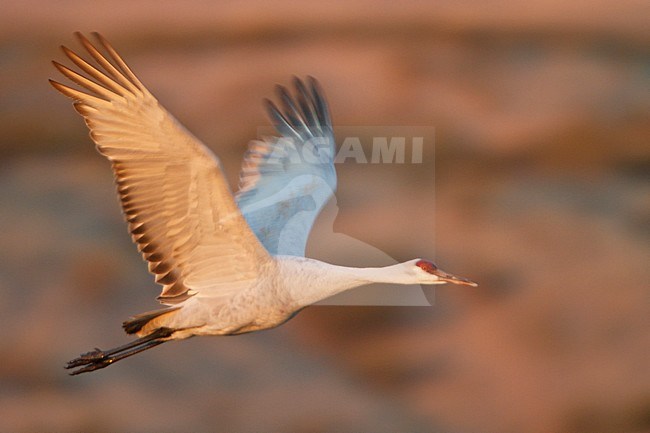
(542, 195)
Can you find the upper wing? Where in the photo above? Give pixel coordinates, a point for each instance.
(285, 181)
(177, 202)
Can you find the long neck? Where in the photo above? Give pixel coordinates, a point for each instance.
(310, 281)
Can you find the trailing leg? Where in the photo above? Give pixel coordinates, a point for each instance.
(98, 358)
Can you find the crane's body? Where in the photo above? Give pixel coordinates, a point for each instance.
(228, 264)
(289, 284)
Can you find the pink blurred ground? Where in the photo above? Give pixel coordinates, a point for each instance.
(541, 195)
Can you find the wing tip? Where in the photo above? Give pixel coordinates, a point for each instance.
(62, 88)
(306, 113)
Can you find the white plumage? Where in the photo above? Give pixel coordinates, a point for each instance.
(228, 264)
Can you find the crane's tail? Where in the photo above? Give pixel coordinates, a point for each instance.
(98, 358)
(137, 323)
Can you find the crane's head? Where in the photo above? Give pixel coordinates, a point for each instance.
(428, 273)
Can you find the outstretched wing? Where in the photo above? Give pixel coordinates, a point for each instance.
(178, 205)
(285, 181)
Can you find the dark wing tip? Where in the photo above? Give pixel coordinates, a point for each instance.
(306, 114)
(271, 108)
(81, 38)
(322, 108)
(99, 37)
(297, 82)
(281, 91)
(279, 121)
(313, 82)
(58, 86)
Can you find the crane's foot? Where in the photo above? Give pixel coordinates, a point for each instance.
(87, 358)
(98, 359)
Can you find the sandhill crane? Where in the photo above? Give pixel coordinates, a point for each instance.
(228, 264)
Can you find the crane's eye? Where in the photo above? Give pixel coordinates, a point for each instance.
(426, 266)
